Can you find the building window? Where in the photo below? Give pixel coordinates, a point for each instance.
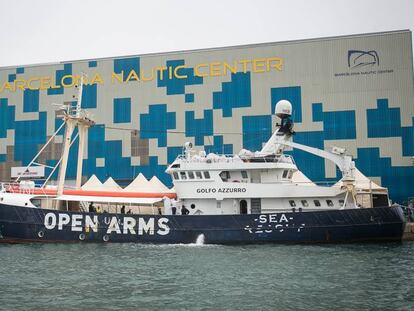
(206, 175)
(175, 175)
(292, 203)
(304, 203)
(244, 175)
(330, 203)
(317, 203)
(191, 175)
(198, 175)
(183, 175)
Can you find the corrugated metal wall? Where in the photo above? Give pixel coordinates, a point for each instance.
(355, 92)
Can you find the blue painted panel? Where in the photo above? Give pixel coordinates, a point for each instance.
(189, 98)
(384, 121)
(199, 128)
(407, 135)
(12, 77)
(234, 94)
(29, 135)
(127, 65)
(293, 95)
(173, 152)
(256, 131)
(398, 179)
(219, 147)
(122, 110)
(4, 117)
(67, 70)
(312, 166)
(30, 100)
(339, 125)
(156, 123)
(317, 113)
(176, 85)
(89, 96)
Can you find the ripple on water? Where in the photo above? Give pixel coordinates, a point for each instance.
(202, 277)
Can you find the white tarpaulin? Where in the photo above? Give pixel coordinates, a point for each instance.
(139, 184)
(301, 179)
(111, 185)
(93, 183)
(362, 182)
(158, 186)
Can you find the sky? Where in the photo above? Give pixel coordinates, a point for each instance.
(48, 31)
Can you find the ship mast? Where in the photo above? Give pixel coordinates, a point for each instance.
(74, 118)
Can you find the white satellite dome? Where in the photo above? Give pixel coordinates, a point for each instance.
(283, 109)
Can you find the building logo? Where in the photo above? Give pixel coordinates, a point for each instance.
(357, 59)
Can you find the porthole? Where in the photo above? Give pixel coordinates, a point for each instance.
(40, 234)
(82, 236)
(106, 238)
(192, 206)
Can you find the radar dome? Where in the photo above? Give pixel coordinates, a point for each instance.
(283, 109)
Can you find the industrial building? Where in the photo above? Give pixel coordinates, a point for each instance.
(354, 92)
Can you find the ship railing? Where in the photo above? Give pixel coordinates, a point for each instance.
(26, 187)
(224, 158)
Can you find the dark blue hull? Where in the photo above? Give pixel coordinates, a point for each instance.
(22, 225)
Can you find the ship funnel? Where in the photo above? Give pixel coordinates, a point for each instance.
(283, 109)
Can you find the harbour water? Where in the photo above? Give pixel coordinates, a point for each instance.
(207, 277)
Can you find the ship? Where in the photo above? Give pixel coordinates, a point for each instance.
(247, 198)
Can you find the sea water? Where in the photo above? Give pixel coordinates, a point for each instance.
(207, 277)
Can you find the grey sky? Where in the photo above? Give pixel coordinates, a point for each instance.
(45, 31)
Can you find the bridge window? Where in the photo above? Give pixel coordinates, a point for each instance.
(330, 203)
(290, 174)
(317, 203)
(292, 203)
(244, 175)
(183, 175)
(304, 203)
(206, 175)
(285, 173)
(198, 175)
(341, 203)
(191, 175)
(225, 175)
(175, 175)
